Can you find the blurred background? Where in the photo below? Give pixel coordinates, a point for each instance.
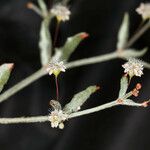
(118, 128)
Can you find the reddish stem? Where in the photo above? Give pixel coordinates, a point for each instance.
(57, 88)
(56, 33)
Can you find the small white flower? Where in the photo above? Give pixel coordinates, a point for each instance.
(61, 12)
(55, 67)
(57, 117)
(133, 67)
(144, 10)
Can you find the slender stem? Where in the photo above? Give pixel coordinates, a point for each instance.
(57, 88)
(138, 34)
(41, 119)
(23, 120)
(94, 109)
(56, 33)
(102, 58)
(92, 60)
(34, 8)
(82, 62)
(19, 86)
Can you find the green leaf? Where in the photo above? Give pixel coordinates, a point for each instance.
(5, 71)
(123, 32)
(45, 44)
(123, 86)
(43, 7)
(79, 99)
(69, 47)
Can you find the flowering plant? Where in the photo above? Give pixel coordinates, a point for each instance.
(54, 60)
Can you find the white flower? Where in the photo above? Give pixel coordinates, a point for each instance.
(61, 12)
(144, 10)
(57, 117)
(133, 67)
(55, 67)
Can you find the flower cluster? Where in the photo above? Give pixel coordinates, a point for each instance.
(61, 12)
(56, 67)
(57, 117)
(144, 10)
(133, 67)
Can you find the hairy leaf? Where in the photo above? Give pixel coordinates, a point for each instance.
(79, 99)
(69, 47)
(123, 32)
(43, 7)
(5, 71)
(45, 42)
(123, 86)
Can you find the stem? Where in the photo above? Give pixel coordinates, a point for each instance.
(41, 119)
(137, 35)
(56, 33)
(57, 88)
(23, 120)
(82, 62)
(94, 109)
(34, 8)
(19, 86)
(92, 60)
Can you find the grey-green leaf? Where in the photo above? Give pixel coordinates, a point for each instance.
(123, 33)
(5, 71)
(79, 99)
(64, 53)
(123, 86)
(43, 7)
(45, 44)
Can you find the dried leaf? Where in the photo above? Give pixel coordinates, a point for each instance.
(123, 32)
(79, 99)
(123, 86)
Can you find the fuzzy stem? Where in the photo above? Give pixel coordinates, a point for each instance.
(22, 84)
(41, 119)
(82, 62)
(138, 34)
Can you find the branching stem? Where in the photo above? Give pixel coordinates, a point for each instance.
(41, 119)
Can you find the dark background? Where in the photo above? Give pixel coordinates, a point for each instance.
(118, 128)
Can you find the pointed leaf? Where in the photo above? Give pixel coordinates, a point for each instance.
(45, 42)
(123, 86)
(79, 99)
(69, 47)
(123, 32)
(5, 71)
